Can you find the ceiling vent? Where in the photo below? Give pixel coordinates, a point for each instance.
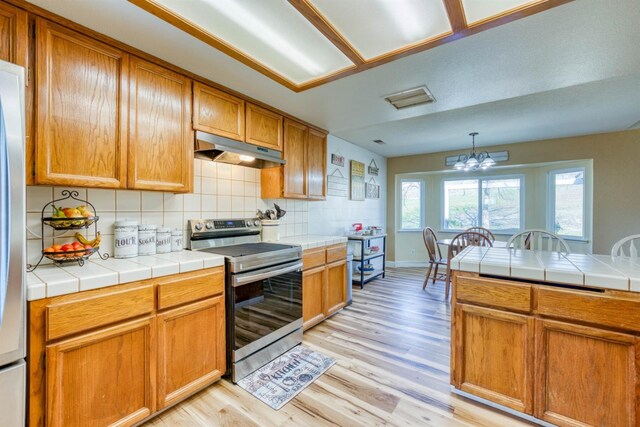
(379, 141)
(410, 98)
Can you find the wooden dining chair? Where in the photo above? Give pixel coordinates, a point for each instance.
(435, 256)
(618, 247)
(484, 231)
(538, 240)
(458, 243)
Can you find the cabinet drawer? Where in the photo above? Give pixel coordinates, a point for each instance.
(494, 293)
(336, 253)
(596, 308)
(313, 258)
(99, 308)
(190, 287)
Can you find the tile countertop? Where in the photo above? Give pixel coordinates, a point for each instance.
(598, 271)
(311, 241)
(50, 280)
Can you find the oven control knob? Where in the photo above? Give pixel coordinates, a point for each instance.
(198, 226)
(209, 225)
(256, 223)
(248, 223)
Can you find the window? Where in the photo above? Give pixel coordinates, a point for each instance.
(411, 205)
(567, 202)
(494, 203)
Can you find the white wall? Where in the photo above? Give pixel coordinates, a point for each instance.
(336, 214)
(220, 191)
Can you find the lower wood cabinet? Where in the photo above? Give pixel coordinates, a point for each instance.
(582, 369)
(191, 349)
(102, 378)
(493, 353)
(100, 371)
(586, 376)
(324, 283)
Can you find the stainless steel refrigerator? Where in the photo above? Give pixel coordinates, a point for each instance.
(12, 246)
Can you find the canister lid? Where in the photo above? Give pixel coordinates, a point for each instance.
(147, 227)
(125, 223)
(164, 229)
(176, 232)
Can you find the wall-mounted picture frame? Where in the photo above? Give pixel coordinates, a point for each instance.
(373, 168)
(337, 159)
(357, 180)
(372, 190)
(337, 184)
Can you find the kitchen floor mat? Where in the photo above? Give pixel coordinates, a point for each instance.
(282, 379)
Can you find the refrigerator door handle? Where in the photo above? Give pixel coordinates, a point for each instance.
(5, 215)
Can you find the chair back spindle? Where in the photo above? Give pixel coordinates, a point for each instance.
(618, 247)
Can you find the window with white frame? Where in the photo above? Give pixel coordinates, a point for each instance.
(493, 203)
(411, 204)
(567, 205)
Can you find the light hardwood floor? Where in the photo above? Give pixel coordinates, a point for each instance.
(392, 348)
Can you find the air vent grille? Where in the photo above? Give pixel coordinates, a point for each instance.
(410, 98)
(379, 141)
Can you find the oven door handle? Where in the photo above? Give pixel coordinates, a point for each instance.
(243, 279)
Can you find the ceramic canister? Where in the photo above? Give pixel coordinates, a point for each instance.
(125, 240)
(163, 240)
(146, 239)
(176, 240)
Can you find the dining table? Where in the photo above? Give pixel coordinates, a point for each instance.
(496, 243)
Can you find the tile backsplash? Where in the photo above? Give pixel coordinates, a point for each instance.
(220, 191)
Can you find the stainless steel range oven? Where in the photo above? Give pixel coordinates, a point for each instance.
(263, 291)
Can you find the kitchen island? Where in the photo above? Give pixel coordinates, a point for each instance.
(549, 335)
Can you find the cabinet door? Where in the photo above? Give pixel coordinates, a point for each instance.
(585, 376)
(313, 283)
(102, 378)
(191, 349)
(160, 135)
(81, 109)
(264, 127)
(217, 112)
(493, 353)
(295, 154)
(317, 165)
(336, 287)
(13, 34)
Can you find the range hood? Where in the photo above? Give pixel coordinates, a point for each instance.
(225, 150)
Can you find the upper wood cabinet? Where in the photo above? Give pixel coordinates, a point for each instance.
(304, 174)
(217, 112)
(101, 378)
(264, 127)
(160, 135)
(316, 165)
(81, 110)
(13, 34)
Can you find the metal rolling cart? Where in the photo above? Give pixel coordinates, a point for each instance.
(362, 259)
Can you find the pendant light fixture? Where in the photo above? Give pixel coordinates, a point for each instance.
(474, 161)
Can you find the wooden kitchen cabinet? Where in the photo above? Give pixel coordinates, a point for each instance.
(160, 135)
(493, 355)
(117, 355)
(218, 112)
(81, 108)
(304, 174)
(336, 287)
(324, 283)
(313, 283)
(585, 375)
(102, 378)
(264, 127)
(191, 349)
(13, 35)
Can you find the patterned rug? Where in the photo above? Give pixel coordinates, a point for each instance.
(282, 379)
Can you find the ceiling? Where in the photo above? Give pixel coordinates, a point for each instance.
(570, 70)
(306, 43)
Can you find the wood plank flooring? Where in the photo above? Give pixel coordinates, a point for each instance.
(392, 348)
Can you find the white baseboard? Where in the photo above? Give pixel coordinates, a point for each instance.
(407, 264)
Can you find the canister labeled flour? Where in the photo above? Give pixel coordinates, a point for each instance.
(163, 240)
(146, 239)
(176, 240)
(125, 240)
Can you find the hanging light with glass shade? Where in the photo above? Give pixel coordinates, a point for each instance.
(474, 160)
